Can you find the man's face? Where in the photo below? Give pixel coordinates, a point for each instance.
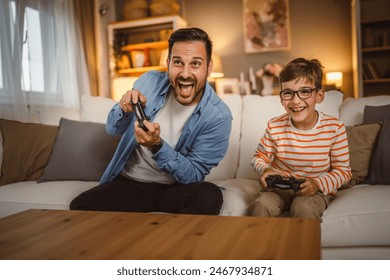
(188, 71)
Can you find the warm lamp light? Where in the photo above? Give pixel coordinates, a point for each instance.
(121, 85)
(334, 78)
(217, 71)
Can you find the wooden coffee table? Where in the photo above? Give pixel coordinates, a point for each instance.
(70, 235)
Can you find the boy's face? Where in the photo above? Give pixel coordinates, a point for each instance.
(301, 109)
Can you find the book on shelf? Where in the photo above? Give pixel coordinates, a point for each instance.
(366, 72)
(371, 71)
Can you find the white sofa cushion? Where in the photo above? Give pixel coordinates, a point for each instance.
(351, 110)
(52, 115)
(331, 104)
(95, 108)
(228, 165)
(257, 110)
(238, 194)
(359, 216)
(25, 195)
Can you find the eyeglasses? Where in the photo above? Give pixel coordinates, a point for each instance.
(303, 93)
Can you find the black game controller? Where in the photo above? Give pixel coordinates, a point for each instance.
(277, 181)
(140, 114)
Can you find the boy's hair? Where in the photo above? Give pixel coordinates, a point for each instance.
(191, 34)
(301, 68)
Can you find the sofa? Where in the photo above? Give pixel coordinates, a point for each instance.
(63, 152)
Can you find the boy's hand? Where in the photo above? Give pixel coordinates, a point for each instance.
(309, 187)
(267, 172)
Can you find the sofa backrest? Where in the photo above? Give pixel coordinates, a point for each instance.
(93, 109)
(52, 115)
(351, 110)
(227, 167)
(257, 110)
(250, 116)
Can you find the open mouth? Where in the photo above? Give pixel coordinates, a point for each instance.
(186, 87)
(297, 109)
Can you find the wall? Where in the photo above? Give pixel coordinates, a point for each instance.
(319, 29)
(101, 22)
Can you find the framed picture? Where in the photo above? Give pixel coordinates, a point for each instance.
(266, 25)
(227, 86)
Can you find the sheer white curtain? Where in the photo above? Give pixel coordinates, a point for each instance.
(42, 59)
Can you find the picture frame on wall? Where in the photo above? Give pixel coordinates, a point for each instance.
(266, 25)
(227, 86)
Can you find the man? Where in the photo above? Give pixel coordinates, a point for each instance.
(163, 168)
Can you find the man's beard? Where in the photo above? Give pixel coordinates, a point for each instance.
(198, 91)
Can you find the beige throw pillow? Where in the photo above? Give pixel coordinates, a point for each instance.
(26, 150)
(1, 152)
(361, 140)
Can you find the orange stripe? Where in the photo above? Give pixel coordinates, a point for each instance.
(303, 153)
(304, 160)
(327, 165)
(297, 146)
(305, 141)
(303, 134)
(276, 166)
(341, 141)
(340, 148)
(340, 155)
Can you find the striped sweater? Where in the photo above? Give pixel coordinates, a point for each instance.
(320, 153)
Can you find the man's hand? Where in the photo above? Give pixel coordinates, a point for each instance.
(147, 138)
(130, 97)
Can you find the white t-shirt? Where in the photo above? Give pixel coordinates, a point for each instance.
(172, 118)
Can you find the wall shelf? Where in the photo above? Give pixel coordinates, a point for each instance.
(140, 70)
(149, 45)
(375, 81)
(376, 49)
(372, 53)
(138, 46)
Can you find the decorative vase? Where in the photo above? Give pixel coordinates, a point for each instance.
(135, 9)
(164, 7)
(268, 85)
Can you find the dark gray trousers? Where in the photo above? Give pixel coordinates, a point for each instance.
(126, 195)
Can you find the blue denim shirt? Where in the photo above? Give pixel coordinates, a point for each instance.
(202, 144)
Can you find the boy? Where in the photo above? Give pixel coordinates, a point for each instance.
(302, 143)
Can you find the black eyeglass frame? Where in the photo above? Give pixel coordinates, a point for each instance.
(297, 92)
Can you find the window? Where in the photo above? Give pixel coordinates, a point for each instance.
(32, 58)
(42, 58)
(1, 70)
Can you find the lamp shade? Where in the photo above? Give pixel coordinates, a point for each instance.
(217, 71)
(120, 86)
(334, 78)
